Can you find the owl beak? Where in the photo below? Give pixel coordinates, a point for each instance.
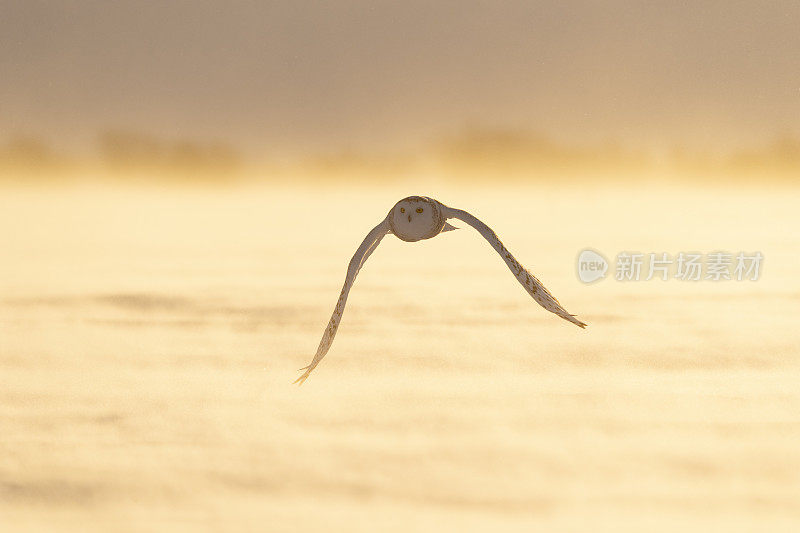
(409, 218)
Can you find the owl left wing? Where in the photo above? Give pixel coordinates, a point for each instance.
(525, 278)
(369, 244)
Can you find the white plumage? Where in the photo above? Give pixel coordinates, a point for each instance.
(416, 218)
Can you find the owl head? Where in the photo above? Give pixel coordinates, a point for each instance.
(416, 218)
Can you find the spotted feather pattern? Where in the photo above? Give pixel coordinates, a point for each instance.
(370, 243)
(525, 278)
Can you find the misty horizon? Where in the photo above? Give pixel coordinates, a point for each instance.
(285, 80)
(471, 151)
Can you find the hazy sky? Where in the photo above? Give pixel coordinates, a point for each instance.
(308, 75)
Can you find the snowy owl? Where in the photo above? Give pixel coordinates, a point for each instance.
(413, 219)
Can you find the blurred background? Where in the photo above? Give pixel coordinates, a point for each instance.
(350, 88)
(182, 185)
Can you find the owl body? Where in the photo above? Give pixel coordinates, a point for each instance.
(416, 218)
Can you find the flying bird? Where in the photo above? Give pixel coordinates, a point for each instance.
(414, 219)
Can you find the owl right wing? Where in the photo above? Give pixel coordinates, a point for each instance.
(369, 244)
(525, 278)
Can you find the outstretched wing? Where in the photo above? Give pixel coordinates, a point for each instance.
(526, 279)
(367, 247)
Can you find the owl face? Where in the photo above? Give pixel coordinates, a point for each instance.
(416, 218)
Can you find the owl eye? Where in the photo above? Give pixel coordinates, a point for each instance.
(419, 210)
(402, 209)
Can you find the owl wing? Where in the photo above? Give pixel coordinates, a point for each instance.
(526, 279)
(371, 242)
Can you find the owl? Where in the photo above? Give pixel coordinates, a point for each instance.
(414, 219)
